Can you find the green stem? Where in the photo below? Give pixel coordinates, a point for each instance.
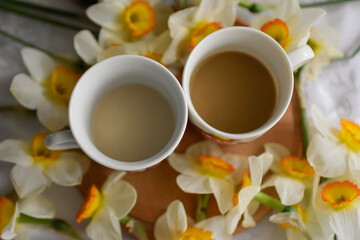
(347, 57)
(125, 220)
(46, 9)
(183, 4)
(316, 4)
(254, 7)
(56, 224)
(202, 206)
(269, 201)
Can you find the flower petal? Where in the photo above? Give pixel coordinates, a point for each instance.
(106, 14)
(161, 229)
(26, 91)
(286, 8)
(256, 170)
(28, 180)
(8, 232)
(51, 115)
(290, 218)
(15, 151)
(185, 164)
(113, 178)
(104, 225)
(194, 184)
(346, 224)
(227, 15)
(37, 206)
(176, 218)
(322, 125)
(207, 9)
(86, 46)
(354, 161)
(65, 172)
(223, 192)
(278, 151)
(176, 50)
(290, 191)
(248, 221)
(205, 148)
(328, 158)
(216, 225)
(78, 157)
(240, 164)
(39, 64)
(326, 34)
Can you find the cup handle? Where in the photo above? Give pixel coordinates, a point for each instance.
(300, 56)
(61, 141)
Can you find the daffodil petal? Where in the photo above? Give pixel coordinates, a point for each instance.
(207, 9)
(106, 14)
(112, 179)
(248, 220)
(37, 206)
(256, 170)
(53, 116)
(216, 225)
(326, 34)
(317, 224)
(260, 21)
(194, 184)
(290, 191)
(104, 225)
(15, 151)
(180, 20)
(120, 197)
(204, 148)
(328, 158)
(290, 218)
(223, 192)
(86, 46)
(322, 125)
(161, 229)
(161, 43)
(346, 224)
(185, 164)
(278, 151)
(65, 172)
(39, 64)
(240, 164)
(107, 38)
(286, 8)
(8, 232)
(172, 52)
(78, 157)
(354, 161)
(162, 13)
(176, 218)
(26, 91)
(28, 180)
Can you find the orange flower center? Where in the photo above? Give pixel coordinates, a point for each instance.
(278, 30)
(201, 30)
(41, 153)
(7, 210)
(91, 204)
(350, 134)
(340, 194)
(297, 167)
(216, 166)
(63, 81)
(140, 18)
(194, 233)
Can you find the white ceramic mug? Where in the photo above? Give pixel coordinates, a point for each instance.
(101, 78)
(266, 50)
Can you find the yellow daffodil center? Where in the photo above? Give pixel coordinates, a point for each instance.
(340, 194)
(154, 56)
(7, 210)
(63, 81)
(41, 153)
(201, 30)
(278, 30)
(91, 204)
(194, 233)
(215, 166)
(297, 167)
(314, 45)
(246, 181)
(350, 134)
(140, 18)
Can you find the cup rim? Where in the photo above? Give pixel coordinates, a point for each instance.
(235, 136)
(145, 163)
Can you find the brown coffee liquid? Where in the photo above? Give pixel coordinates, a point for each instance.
(233, 92)
(132, 122)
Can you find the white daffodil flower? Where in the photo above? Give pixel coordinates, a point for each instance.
(37, 206)
(206, 169)
(130, 19)
(292, 174)
(333, 152)
(189, 26)
(47, 89)
(250, 187)
(36, 166)
(107, 207)
(324, 41)
(176, 225)
(289, 25)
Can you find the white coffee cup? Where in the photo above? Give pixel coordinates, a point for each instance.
(101, 78)
(266, 50)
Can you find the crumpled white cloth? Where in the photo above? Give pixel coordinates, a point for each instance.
(337, 93)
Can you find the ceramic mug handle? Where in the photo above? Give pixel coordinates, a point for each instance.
(300, 56)
(61, 141)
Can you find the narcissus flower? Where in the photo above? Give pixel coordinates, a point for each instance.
(47, 89)
(189, 26)
(289, 25)
(36, 166)
(206, 169)
(324, 41)
(35, 206)
(130, 19)
(292, 174)
(107, 207)
(334, 152)
(176, 225)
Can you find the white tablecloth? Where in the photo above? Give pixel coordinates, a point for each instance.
(336, 92)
